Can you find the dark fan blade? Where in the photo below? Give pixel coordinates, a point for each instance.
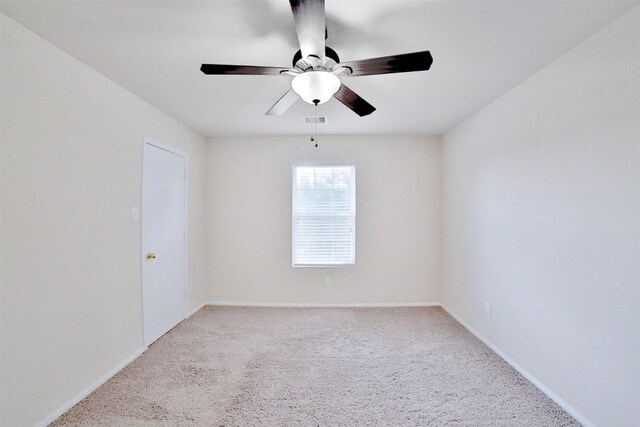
(416, 61)
(310, 26)
(353, 101)
(248, 70)
(283, 104)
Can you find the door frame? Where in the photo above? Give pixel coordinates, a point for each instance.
(149, 141)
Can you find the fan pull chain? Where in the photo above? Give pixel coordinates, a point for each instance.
(314, 138)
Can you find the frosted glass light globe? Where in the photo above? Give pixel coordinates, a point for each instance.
(315, 85)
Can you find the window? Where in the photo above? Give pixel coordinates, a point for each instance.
(324, 215)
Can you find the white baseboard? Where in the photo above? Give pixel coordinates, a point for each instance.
(322, 305)
(84, 393)
(535, 381)
(195, 310)
(90, 389)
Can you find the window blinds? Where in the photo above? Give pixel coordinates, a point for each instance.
(324, 215)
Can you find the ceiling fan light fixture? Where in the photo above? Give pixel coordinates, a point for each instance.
(315, 86)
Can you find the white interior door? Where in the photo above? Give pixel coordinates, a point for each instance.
(164, 295)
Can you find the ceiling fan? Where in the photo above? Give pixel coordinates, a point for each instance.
(317, 68)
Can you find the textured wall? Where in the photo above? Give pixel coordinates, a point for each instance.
(398, 221)
(71, 172)
(542, 220)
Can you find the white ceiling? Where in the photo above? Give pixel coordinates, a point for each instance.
(481, 49)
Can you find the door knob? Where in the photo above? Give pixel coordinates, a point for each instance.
(151, 255)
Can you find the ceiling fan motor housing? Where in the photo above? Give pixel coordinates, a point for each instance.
(330, 60)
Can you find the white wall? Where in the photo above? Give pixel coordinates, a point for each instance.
(542, 220)
(398, 221)
(71, 172)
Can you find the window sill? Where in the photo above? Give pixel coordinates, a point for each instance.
(322, 265)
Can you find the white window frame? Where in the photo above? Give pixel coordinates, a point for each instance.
(293, 213)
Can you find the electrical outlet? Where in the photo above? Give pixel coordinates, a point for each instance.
(487, 308)
(328, 282)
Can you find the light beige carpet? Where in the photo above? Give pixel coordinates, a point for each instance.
(318, 366)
